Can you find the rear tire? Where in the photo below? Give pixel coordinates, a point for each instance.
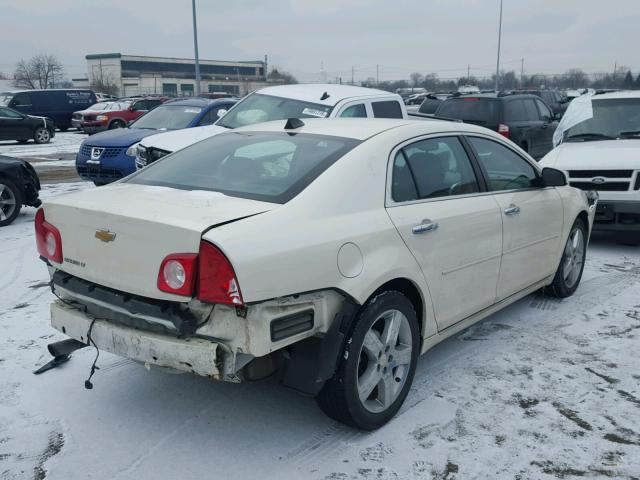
(99, 184)
(377, 366)
(41, 135)
(10, 202)
(569, 272)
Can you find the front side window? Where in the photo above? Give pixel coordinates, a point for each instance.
(8, 113)
(506, 170)
(532, 111)
(259, 108)
(268, 166)
(355, 111)
(432, 168)
(545, 113)
(140, 106)
(387, 109)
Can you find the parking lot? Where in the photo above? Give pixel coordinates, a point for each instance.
(546, 388)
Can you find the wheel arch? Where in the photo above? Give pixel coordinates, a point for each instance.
(410, 290)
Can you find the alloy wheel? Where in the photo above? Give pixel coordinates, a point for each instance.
(7, 202)
(42, 135)
(384, 361)
(573, 257)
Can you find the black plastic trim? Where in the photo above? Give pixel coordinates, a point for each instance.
(290, 325)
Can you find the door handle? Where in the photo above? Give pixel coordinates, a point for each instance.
(425, 226)
(545, 125)
(512, 210)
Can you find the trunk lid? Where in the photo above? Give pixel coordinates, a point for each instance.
(117, 236)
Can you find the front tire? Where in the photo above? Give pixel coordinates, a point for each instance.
(569, 272)
(116, 124)
(378, 364)
(10, 202)
(41, 135)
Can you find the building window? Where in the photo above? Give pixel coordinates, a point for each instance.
(187, 89)
(170, 89)
(235, 89)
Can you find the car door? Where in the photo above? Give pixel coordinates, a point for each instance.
(532, 216)
(139, 108)
(435, 199)
(13, 125)
(548, 128)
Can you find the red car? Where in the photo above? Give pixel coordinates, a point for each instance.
(109, 115)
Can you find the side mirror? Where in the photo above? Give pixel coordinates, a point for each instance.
(552, 177)
(221, 112)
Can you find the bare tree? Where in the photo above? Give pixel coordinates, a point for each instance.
(104, 84)
(41, 71)
(416, 79)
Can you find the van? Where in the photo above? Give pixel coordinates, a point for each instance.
(57, 104)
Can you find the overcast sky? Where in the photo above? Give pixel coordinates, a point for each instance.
(401, 36)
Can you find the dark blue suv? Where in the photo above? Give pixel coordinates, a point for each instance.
(109, 156)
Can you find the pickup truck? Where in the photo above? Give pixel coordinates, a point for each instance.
(278, 103)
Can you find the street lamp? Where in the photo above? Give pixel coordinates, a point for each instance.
(499, 39)
(195, 46)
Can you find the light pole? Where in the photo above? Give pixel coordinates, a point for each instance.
(499, 39)
(195, 46)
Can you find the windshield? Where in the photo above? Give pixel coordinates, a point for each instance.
(5, 98)
(259, 108)
(99, 106)
(168, 117)
(613, 118)
(470, 109)
(268, 166)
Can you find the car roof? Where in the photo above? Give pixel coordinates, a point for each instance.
(615, 95)
(363, 128)
(314, 91)
(199, 101)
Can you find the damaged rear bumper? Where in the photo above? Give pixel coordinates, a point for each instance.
(194, 355)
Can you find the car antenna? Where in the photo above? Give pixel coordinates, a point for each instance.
(293, 123)
(324, 96)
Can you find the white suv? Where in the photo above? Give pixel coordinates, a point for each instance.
(600, 150)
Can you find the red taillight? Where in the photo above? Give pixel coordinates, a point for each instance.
(217, 281)
(48, 239)
(178, 274)
(503, 130)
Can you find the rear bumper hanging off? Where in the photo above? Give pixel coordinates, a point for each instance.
(186, 354)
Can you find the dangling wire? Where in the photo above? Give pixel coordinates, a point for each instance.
(87, 383)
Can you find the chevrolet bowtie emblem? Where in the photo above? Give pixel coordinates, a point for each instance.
(105, 235)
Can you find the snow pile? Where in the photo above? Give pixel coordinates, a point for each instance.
(63, 142)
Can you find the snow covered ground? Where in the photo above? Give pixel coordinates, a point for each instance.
(543, 389)
(63, 142)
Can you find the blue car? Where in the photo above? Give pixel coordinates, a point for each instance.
(106, 157)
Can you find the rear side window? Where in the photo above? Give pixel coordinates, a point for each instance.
(514, 111)
(387, 109)
(355, 111)
(268, 166)
(530, 107)
(471, 109)
(506, 170)
(22, 100)
(432, 168)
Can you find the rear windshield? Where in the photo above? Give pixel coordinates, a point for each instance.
(470, 109)
(168, 117)
(259, 108)
(267, 166)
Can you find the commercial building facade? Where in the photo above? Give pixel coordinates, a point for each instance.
(142, 75)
